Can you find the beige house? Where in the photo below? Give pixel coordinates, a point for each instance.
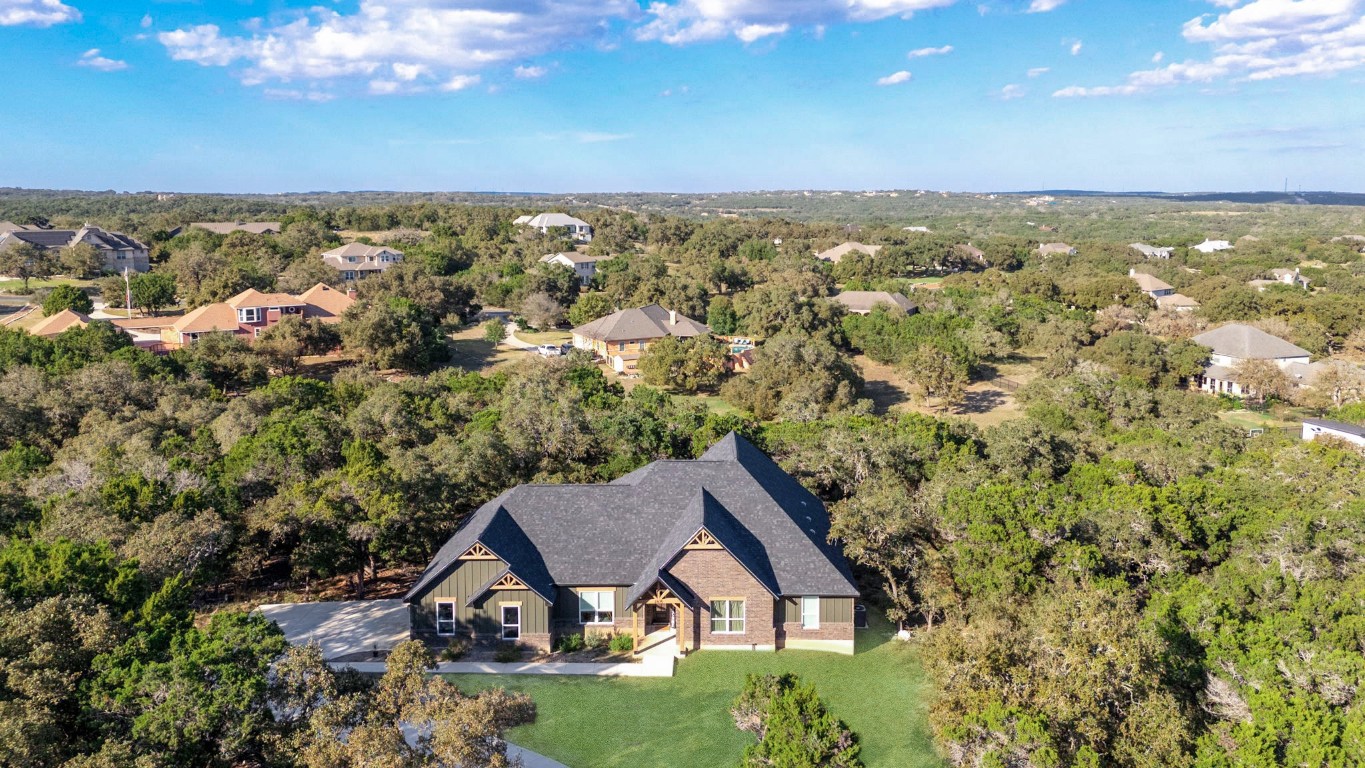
(251, 312)
(837, 253)
(621, 337)
(1162, 292)
(1048, 249)
(582, 264)
(357, 260)
(228, 227)
(1235, 343)
(56, 324)
(119, 250)
(862, 302)
(1152, 251)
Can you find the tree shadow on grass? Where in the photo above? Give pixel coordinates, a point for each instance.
(981, 401)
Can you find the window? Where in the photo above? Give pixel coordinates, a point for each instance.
(621, 346)
(445, 618)
(596, 607)
(248, 315)
(511, 622)
(810, 612)
(727, 617)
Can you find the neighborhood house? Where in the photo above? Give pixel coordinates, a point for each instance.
(1152, 251)
(250, 312)
(119, 250)
(1351, 433)
(228, 227)
(1212, 246)
(357, 260)
(583, 265)
(722, 552)
(837, 253)
(579, 229)
(862, 302)
(1048, 249)
(1162, 292)
(621, 337)
(1235, 343)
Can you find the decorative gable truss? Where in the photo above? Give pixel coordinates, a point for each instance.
(479, 552)
(703, 540)
(508, 581)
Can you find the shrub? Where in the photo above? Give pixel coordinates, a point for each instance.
(457, 648)
(570, 643)
(494, 331)
(793, 726)
(597, 640)
(67, 297)
(622, 643)
(507, 652)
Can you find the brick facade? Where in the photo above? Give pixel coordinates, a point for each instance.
(713, 574)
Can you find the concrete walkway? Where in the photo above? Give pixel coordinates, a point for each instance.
(512, 341)
(649, 666)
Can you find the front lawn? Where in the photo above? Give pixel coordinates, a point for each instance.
(881, 692)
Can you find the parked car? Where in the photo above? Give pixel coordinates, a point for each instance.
(550, 350)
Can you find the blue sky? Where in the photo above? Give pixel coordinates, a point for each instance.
(682, 95)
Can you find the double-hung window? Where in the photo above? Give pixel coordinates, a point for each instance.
(596, 607)
(445, 618)
(810, 612)
(727, 617)
(248, 315)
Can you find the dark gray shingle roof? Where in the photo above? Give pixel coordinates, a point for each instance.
(625, 533)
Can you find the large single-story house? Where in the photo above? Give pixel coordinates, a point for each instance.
(579, 229)
(250, 312)
(837, 253)
(1152, 251)
(357, 260)
(1048, 249)
(621, 337)
(119, 250)
(1212, 246)
(862, 302)
(1281, 277)
(1351, 433)
(1162, 292)
(1234, 343)
(723, 552)
(228, 227)
(582, 264)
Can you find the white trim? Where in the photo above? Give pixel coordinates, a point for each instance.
(502, 618)
(453, 620)
(597, 608)
(728, 619)
(814, 623)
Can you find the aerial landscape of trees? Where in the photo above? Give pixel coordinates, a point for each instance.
(1115, 573)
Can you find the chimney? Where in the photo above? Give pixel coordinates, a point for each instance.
(350, 293)
(672, 317)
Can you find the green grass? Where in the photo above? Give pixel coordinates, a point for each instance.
(545, 337)
(881, 692)
(16, 287)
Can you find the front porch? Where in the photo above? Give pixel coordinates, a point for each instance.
(660, 624)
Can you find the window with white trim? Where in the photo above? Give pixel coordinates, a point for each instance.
(445, 618)
(248, 315)
(727, 617)
(596, 607)
(511, 622)
(810, 612)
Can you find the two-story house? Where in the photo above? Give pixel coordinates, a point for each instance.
(119, 250)
(1235, 343)
(578, 229)
(583, 265)
(250, 312)
(357, 260)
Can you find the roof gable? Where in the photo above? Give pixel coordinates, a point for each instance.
(1246, 342)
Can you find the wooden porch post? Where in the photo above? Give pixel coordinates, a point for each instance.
(635, 629)
(682, 629)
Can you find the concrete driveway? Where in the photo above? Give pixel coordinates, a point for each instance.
(350, 630)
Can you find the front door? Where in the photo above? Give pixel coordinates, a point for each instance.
(511, 622)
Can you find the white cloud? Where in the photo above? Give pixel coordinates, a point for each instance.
(285, 94)
(36, 13)
(529, 73)
(1076, 48)
(1043, 6)
(147, 21)
(94, 60)
(751, 32)
(450, 40)
(1036, 71)
(690, 21)
(1158, 56)
(1261, 40)
(384, 86)
(920, 53)
(1012, 91)
(461, 82)
(895, 78)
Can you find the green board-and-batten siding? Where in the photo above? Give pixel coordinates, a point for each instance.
(833, 610)
(484, 616)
